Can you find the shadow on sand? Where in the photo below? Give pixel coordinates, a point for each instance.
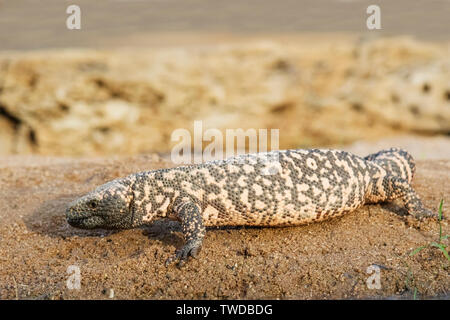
(49, 219)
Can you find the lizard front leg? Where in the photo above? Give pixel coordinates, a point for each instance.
(188, 213)
(400, 188)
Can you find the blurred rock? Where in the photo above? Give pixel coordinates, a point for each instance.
(85, 102)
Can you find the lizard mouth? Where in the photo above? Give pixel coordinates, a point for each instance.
(85, 222)
(82, 221)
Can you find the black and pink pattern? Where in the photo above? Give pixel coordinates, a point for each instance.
(279, 188)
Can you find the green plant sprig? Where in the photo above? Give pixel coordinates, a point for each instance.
(442, 247)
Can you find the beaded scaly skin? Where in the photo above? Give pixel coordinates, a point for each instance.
(279, 188)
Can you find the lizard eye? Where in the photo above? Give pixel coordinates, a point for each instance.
(92, 204)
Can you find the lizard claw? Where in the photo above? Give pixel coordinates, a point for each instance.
(183, 254)
(425, 213)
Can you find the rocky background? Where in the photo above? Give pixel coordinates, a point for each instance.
(100, 102)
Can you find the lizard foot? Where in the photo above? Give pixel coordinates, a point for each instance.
(191, 249)
(424, 213)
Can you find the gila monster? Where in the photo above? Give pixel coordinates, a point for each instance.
(277, 188)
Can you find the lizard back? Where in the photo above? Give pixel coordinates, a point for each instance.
(267, 189)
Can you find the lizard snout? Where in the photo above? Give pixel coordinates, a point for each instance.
(77, 218)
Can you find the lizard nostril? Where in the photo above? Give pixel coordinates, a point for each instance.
(71, 213)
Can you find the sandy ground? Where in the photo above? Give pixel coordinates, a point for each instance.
(325, 260)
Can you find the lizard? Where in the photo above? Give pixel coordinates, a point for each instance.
(276, 188)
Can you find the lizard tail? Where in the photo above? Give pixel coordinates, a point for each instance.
(396, 161)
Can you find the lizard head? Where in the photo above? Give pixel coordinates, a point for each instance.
(396, 161)
(107, 207)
